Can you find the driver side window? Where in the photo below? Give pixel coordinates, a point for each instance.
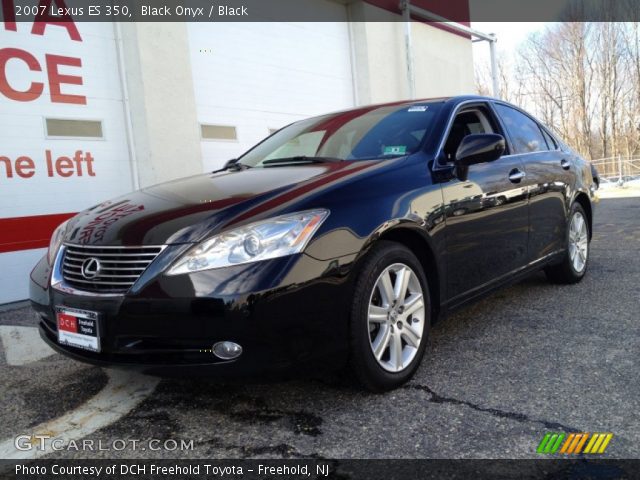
(466, 123)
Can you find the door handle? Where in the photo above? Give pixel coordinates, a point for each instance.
(516, 175)
(566, 164)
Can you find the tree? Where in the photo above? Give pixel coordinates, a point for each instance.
(581, 79)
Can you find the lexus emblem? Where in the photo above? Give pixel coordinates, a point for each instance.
(90, 268)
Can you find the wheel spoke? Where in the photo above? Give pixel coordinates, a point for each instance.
(582, 241)
(386, 288)
(396, 351)
(573, 236)
(381, 342)
(413, 304)
(377, 314)
(411, 336)
(402, 283)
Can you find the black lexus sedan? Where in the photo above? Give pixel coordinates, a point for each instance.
(337, 241)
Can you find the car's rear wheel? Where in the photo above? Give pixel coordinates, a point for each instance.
(390, 318)
(576, 259)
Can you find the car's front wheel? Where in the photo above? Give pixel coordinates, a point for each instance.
(390, 318)
(574, 263)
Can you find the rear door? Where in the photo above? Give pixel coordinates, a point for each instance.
(549, 176)
(486, 213)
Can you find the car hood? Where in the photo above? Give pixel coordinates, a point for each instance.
(189, 209)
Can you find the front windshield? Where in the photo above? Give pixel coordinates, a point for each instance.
(363, 134)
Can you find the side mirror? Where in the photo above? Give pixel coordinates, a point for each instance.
(479, 148)
(596, 176)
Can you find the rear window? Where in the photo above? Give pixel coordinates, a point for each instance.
(525, 134)
(551, 143)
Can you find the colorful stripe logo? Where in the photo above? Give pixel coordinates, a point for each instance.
(574, 443)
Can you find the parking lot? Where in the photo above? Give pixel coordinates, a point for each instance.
(499, 374)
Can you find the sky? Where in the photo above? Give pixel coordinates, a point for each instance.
(510, 35)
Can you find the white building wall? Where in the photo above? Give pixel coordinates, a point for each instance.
(22, 123)
(261, 76)
(442, 61)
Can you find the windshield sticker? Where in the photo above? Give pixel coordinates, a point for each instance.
(395, 150)
(418, 108)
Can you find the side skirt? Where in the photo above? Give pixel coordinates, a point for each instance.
(505, 280)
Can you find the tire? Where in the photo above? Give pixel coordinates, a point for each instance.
(576, 258)
(402, 324)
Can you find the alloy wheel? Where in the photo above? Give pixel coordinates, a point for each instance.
(396, 317)
(578, 242)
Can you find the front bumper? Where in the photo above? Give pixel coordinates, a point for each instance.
(287, 314)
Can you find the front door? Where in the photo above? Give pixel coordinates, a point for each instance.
(486, 213)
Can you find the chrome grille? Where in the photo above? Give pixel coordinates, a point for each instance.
(119, 268)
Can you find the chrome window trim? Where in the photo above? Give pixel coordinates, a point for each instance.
(537, 152)
(552, 136)
(438, 167)
(57, 280)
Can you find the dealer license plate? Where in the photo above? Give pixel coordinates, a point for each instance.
(78, 328)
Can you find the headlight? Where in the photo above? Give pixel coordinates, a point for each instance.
(56, 240)
(276, 237)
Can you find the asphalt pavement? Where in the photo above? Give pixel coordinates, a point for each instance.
(499, 374)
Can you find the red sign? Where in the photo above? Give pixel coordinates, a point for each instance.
(68, 323)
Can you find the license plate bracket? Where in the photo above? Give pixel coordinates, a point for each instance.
(78, 328)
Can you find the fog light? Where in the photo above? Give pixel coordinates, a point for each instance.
(227, 350)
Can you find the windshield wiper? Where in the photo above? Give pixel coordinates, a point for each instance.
(301, 159)
(234, 165)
